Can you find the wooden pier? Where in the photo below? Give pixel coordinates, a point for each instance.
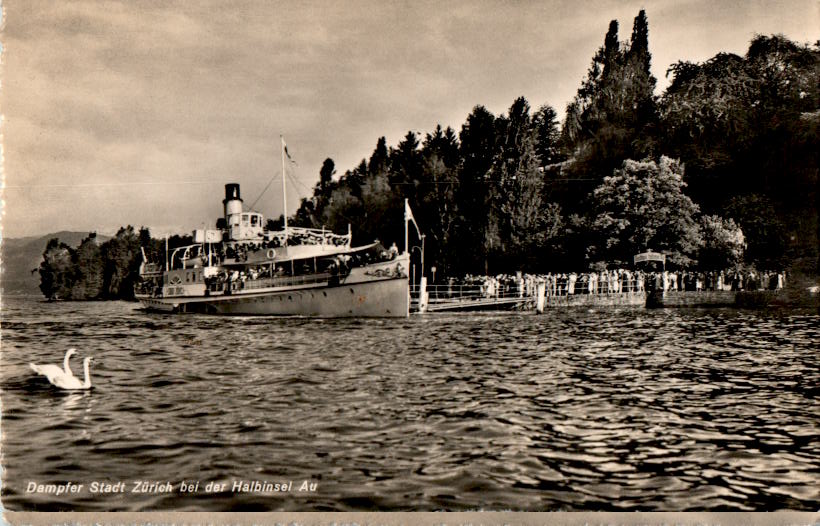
(440, 298)
(477, 304)
(467, 297)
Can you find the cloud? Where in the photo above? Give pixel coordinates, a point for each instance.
(114, 96)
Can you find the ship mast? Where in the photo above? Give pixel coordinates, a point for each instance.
(284, 191)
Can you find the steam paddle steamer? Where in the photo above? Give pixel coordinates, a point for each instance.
(242, 267)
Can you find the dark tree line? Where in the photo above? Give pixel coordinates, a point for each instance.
(720, 169)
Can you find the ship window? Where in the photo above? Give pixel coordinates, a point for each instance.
(245, 219)
(254, 220)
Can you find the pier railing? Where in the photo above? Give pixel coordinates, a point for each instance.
(517, 294)
(560, 291)
(444, 292)
(465, 296)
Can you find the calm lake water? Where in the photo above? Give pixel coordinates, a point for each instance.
(661, 410)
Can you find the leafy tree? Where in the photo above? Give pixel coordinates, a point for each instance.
(639, 47)
(145, 237)
(706, 109)
(275, 224)
(517, 184)
(382, 211)
(354, 180)
(722, 243)
(571, 249)
(321, 195)
(311, 209)
(547, 136)
(306, 213)
(787, 73)
(748, 126)
(379, 160)
(326, 174)
(437, 194)
(344, 209)
(642, 206)
(764, 232)
(613, 114)
(477, 146)
(88, 264)
(121, 257)
(546, 251)
(406, 168)
(642, 116)
(57, 270)
(718, 113)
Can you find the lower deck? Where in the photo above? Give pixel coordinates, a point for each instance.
(379, 290)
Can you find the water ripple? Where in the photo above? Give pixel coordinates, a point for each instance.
(571, 410)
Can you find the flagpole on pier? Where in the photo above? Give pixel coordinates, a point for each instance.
(284, 191)
(406, 220)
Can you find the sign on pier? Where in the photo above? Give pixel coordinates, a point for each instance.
(650, 256)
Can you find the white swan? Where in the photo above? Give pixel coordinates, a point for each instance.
(67, 380)
(51, 371)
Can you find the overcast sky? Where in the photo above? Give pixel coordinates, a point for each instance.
(138, 112)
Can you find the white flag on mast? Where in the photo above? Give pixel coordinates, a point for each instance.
(408, 216)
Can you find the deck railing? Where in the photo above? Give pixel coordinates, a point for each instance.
(265, 283)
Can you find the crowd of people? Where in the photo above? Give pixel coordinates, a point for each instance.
(306, 236)
(240, 251)
(336, 266)
(618, 281)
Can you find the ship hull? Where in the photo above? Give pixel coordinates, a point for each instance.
(360, 295)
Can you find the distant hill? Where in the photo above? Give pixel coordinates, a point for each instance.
(19, 256)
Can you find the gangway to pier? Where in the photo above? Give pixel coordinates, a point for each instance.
(469, 297)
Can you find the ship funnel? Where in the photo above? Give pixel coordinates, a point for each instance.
(232, 192)
(232, 201)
